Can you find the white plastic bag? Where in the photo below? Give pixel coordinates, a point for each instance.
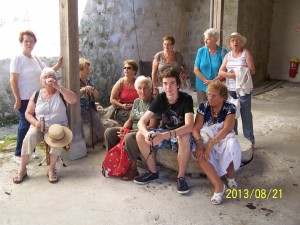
(237, 104)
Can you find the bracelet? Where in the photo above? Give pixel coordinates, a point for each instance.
(170, 134)
(214, 141)
(175, 133)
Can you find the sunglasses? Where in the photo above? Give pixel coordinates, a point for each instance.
(127, 67)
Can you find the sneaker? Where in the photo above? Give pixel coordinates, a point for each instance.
(34, 155)
(147, 177)
(17, 159)
(183, 188)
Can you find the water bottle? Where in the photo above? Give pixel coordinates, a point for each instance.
(42, 121)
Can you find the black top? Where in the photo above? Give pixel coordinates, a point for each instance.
(172, 115)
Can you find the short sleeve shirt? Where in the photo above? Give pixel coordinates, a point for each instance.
(205, 110)
(172, 115)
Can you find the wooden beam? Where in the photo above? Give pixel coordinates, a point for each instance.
(69, 41)
(218, 18)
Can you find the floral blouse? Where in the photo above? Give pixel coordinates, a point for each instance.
(204, 109)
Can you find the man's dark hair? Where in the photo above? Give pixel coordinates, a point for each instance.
(170, 72)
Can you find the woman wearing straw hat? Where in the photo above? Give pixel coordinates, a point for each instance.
(48, 103)
(239, 62)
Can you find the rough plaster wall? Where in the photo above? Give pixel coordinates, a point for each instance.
(112, 31)
(285, 39)
(198, 23)
(253, 20)
(230, 18)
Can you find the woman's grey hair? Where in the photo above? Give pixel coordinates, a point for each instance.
(48, 70)
(142, 79)
(212, 33)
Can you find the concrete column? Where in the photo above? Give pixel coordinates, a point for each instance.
(69, 41)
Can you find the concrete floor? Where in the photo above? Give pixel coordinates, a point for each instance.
(267, 194)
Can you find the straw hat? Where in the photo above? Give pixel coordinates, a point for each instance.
(58, 136)
(236, 35)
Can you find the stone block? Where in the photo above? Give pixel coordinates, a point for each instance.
(168, 159)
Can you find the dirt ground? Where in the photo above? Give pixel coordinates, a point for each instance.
(267, 194)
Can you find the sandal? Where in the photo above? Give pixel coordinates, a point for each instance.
(19, 177)
(217, 198)
(231, 183)
(52, 177)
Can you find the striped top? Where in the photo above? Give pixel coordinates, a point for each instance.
(233, 63)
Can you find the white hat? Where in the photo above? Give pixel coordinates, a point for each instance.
(58, 136)
(235, 34)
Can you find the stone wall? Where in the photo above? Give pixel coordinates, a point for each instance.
(112, 31)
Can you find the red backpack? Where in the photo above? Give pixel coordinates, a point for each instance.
(116, 162)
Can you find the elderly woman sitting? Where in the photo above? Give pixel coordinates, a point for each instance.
(143, 86)
(217, 150)
(49, 105)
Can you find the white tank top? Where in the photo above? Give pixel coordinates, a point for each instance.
(53, 109)
(232, 63)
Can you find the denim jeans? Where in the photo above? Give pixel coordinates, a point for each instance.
(246, 116)
(22, 128)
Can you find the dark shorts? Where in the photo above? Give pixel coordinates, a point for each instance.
(169, 143)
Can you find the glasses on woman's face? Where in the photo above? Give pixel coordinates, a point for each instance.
(127, 68)
(237, 40)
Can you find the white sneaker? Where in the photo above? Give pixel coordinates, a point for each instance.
(17, 159)
(34, 156)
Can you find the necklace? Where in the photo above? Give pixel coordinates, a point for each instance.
(214, 115)
(172, 103)
(212, 50)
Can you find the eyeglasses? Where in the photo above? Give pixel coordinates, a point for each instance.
(127, 67)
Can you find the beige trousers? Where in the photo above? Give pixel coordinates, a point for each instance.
(34, 137)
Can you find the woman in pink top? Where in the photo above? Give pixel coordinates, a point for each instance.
(123, 92)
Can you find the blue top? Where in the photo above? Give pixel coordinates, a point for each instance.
(205, 110)
(208, 64)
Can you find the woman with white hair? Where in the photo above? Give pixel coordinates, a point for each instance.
(238, 66)
(143, 86)
(207, 63)
(48, 103)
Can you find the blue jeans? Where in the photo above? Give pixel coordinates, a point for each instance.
(22, 128)
(246, 116)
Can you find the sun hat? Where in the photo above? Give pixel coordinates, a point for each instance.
(235, 34)
(58, 136)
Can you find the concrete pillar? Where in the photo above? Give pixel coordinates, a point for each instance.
(69, 41)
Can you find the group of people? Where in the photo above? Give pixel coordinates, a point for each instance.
(156, 111)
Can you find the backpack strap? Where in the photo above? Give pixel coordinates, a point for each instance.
(36, 95)
(121, 81)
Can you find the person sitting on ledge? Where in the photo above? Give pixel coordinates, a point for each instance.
(216, 148)
(176, 110)
(123, 92)
(88, 95)
(49, 104)
(143, 85)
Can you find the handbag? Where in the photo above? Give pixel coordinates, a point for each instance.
(116, 162)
